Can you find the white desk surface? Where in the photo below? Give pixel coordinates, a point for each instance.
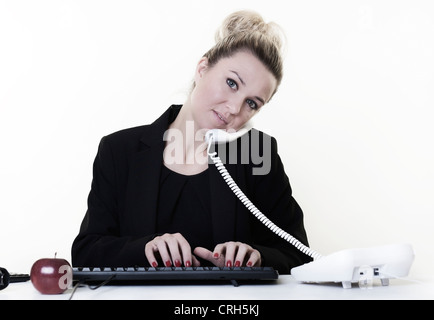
(285, 288)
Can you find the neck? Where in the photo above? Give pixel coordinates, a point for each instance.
(186, 140)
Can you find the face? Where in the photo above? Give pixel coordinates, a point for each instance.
(231, 92)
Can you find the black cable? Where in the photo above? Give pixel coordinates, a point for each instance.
(82, 284)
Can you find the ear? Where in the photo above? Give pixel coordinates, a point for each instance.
(201, 68)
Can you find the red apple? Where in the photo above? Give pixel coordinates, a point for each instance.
(51, 275)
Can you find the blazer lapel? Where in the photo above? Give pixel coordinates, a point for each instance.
(145, 172)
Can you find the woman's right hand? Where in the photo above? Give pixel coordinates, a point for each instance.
(170, 250)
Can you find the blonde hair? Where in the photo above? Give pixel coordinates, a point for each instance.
(247, 30)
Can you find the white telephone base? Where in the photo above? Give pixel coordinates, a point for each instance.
(360, 265)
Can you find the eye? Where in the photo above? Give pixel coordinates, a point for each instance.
(252, 104)
(232, 84)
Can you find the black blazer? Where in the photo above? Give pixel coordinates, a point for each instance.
(122, 203)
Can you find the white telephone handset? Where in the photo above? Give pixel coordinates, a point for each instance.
(346, 266)
(222, 136)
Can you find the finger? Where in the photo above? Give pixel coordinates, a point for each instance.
(241, 255)
(219, 251)
(254, 259)
(154, 249)
(185, 251)
(160, 245)
(205, 254)
(230, 251)
(150, 250)
(196, 263)
(173, 243)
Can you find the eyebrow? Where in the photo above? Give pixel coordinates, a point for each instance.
(242, 81)
(236, 73)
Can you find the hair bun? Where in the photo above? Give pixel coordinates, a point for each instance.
(248, 22)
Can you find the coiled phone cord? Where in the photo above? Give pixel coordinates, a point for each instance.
(253, 209)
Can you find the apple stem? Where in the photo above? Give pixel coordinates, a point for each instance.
(55, 255)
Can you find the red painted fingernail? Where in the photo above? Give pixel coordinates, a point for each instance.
(154, 264)
(237, 264)
(187, 264)
(229, 264)
(216, 255)
(168, 263)
(249, 264)
(177, 263)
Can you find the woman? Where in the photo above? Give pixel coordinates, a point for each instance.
(156, 201)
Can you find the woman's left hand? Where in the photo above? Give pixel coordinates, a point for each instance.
(231, 254)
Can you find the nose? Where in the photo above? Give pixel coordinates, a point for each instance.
(234, 105)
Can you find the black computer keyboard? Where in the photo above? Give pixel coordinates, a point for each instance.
(139, 274)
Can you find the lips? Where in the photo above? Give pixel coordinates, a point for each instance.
(221, 118)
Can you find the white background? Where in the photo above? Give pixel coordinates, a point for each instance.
(353, 117)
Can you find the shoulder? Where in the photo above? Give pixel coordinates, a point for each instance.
(125, 143)
(123, 139)
(260, 142)
(149, 134)
(254, 141)
(261, 137)
(127, 134)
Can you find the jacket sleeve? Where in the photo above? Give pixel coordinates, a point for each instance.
(272, 195)
(99, 243)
